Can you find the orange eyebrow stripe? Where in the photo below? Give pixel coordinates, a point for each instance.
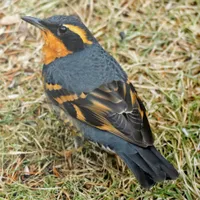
(53, 87)
(81, 32)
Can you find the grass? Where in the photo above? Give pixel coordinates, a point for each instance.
(160, 52)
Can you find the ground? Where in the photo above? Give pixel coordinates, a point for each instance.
(157, 43)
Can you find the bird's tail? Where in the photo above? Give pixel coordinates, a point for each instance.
(148, 165)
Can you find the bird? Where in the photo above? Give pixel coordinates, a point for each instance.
(86, 83)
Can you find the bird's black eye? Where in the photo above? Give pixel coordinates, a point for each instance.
(62, 29)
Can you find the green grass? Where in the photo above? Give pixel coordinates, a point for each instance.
(160, 52)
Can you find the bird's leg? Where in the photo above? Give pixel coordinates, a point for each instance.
(78, 145)
(118, 161)
(78, 138)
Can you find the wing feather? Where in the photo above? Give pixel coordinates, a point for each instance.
(113, 107)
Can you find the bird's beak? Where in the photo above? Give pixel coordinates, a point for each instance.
(41, 24)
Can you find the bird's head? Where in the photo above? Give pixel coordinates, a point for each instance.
(63, 35)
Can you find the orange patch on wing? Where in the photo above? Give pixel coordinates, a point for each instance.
(66, 98)
(79, 113)
(82, 95)
(139, 108)
(53, 87)
(99, 107)
(141, 113)
(106, 125)
(59, 100)
(81, 32)
(109, 128)
(96, 94)
(53, 48)
(133, 97)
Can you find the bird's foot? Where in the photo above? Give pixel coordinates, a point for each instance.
(78, 146)
(118, 161)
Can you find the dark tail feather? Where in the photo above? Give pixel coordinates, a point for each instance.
(144, 178)
(148, 165)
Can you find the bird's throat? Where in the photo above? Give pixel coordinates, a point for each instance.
(53, 48)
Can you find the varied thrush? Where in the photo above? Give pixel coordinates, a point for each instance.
(89, 85)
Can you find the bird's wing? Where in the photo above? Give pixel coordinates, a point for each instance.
(113, 107)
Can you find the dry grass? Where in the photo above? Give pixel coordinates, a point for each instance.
(160, 52)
